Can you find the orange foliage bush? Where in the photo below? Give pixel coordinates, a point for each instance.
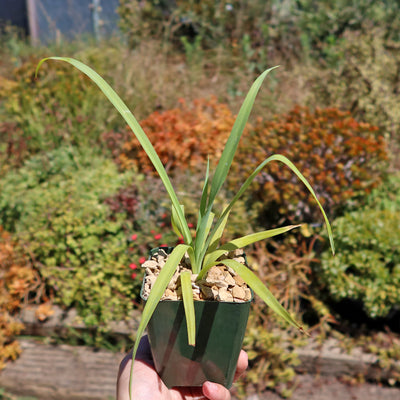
(17, 279)
(183, 137)
(341, 158)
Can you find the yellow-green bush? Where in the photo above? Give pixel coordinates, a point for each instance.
(365, 80)
(55, 205)
(366, 267)
(62, 107)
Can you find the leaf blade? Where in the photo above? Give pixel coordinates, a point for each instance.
(241, 242)
(215, 238)
(201, 237)
(188, 304)
(229, 151)
(204, 193)
(262, 291)
(249, 180)
(129, 118)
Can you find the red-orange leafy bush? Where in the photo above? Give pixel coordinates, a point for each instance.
(183, 137)
(341, 158)
(17, 279)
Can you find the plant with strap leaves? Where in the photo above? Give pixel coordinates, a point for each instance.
(203, 248)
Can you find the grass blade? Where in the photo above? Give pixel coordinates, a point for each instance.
(188, 304)
(217, 234)
(229, 151)
(239, 243)
(201, 236)
(249, 180)
(113, 97)
(255, 237)
(203, 200)
(263, 292)
(175, 222)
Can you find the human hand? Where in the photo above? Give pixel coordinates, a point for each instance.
(147, 385)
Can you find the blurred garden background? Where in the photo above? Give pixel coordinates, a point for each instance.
(80, 205)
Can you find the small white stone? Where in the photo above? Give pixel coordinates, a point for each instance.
(239, 281)
(229, 279)
(151, 264)
(224, 295)
(238, 293)
(240, 260)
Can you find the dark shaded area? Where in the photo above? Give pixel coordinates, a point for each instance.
(14, 12)
(353, 315)
(351, 318)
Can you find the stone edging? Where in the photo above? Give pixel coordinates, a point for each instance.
(62, 372)
(326, 360)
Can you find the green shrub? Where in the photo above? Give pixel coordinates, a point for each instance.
(367, 264)
(259, 30)
(144, 19)
(386, 196)
(55, 205)
(88, 228)
(323, 24)
(253, 32)
(341, 158)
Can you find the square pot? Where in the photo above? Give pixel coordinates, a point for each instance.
(220, 329)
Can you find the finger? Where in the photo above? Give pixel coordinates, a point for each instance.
(243, 363)
(215, 391)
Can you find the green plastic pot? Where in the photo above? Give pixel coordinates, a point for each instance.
(220, 329)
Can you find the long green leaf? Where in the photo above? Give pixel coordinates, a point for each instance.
(201, 236)
(239, 243)
(249, 180)
(203, 200)
(188, 304)
(175, 222)
(259, 288)
(155, 295)
(217, 235)
(113, 97)
(229, 151)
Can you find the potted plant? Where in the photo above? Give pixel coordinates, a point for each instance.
(191, 263)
